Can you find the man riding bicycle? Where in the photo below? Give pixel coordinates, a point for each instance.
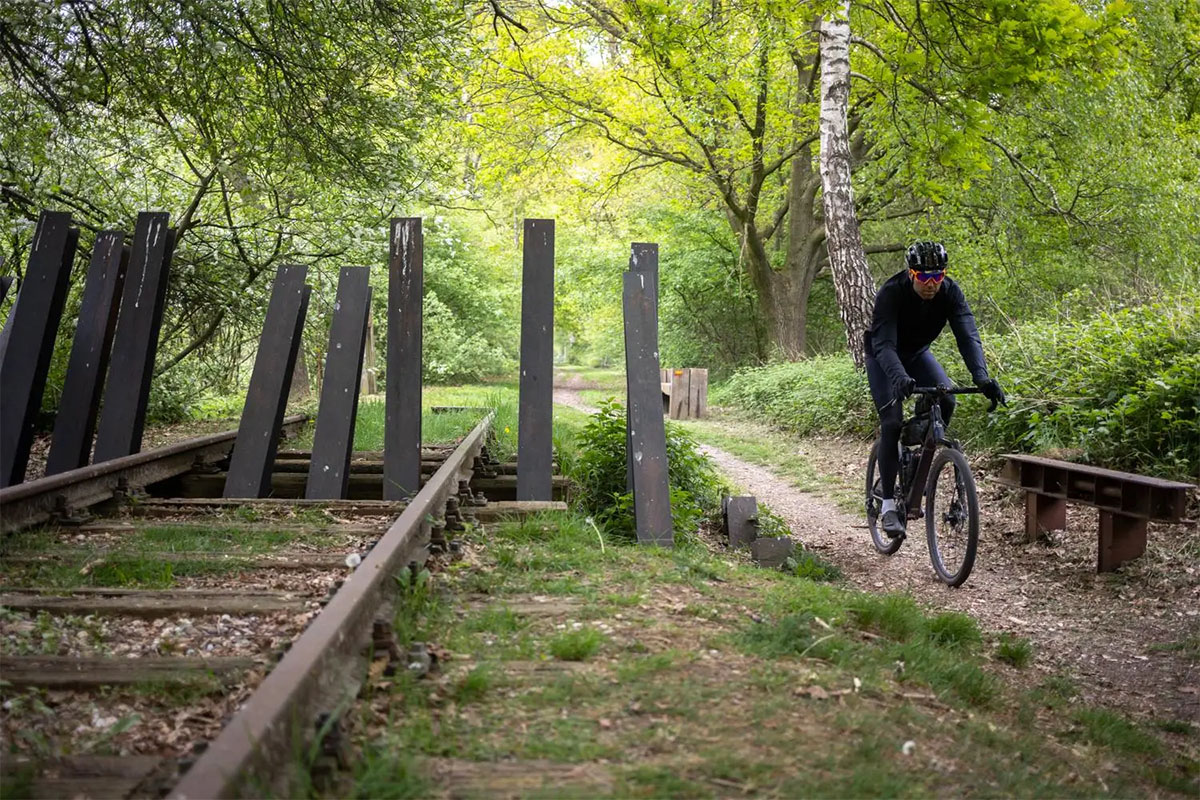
(911, 309)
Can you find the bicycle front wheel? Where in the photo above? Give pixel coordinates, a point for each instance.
(951, 516)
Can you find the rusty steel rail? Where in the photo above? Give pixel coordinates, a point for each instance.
(38, 500)
(262, 736)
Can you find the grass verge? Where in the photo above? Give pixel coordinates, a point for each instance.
(631, 671)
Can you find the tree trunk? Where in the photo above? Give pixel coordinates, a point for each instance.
(300, 388)
(851, 278)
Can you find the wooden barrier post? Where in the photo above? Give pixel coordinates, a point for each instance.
(643, 259)
(32, 328)
(333, 440)
(647, 432)
(75, 423)
(127, 391)
(254, 450)
(535, 444)
(402, 412)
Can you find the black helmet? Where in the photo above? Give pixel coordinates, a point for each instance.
(926, 257)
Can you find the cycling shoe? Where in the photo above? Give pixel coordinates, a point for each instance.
(892, 525)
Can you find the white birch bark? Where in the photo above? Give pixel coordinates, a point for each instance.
(851, 279)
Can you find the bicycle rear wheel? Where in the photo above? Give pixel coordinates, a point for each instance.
(951, 516)
(883, 543)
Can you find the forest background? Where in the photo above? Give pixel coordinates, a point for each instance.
(1053, 146)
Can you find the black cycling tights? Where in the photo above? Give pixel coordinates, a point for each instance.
(928, 372)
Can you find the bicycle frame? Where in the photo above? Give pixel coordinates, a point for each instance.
(935, 435)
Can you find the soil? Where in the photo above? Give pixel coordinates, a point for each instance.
(1120, 636)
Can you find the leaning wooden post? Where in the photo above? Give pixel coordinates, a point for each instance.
(32, 328)
(402, 412)
(75, 423)
(123, 415)
(333, 441)
(647, 430)
(253, 457)
(535, 444)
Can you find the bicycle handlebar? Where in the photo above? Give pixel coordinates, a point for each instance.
(944, 390)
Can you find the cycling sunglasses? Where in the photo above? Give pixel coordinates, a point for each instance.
(928, 277)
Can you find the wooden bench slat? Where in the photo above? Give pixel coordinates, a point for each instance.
(1098, 471)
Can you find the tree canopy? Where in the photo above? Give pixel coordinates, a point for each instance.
(1052, 145)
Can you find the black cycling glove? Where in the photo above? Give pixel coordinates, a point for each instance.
(991, 390)
(903, 387)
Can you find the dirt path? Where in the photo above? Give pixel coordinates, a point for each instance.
(1111, 633)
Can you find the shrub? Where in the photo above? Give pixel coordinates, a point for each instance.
(1119, 390)
(450, 353)
(600, 472)
(826, 394)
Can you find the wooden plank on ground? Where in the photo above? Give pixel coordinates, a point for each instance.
(402, 415)
(647, 432)
(329, 473)
(516, 509)
(285, 560)
(66, 672)
(151, 604)
(127, 391)
(75, 423)
(93, 777)
(262, 414)
(204, 506)
(359, 487)
(535, 446)
(32, 330)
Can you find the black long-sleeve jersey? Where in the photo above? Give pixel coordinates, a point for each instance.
(904, 325)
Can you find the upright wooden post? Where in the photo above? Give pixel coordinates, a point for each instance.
(647, 430)
(535, 445)
(402, 422)
(76, 420)
(266, 399)
(643, 259)
(333, 441)
(32, 328)
(123, 415)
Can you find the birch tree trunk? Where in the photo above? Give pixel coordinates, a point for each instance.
(851, 279)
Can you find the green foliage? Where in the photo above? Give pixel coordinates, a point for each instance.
(1014, 650)
(952, 629)
(1104, 727)
(818, 395)
(600, 473)
(452, 354)
(576, 645)
(1117, 389)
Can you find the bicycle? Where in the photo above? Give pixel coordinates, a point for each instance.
(925, 453)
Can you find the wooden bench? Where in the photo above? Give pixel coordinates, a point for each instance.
(1127, 502)
(685, 392)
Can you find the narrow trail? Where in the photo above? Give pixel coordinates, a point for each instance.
(1110, 633)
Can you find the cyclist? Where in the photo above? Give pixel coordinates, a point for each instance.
(911, 309)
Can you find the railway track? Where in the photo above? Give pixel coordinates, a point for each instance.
(157, 640)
